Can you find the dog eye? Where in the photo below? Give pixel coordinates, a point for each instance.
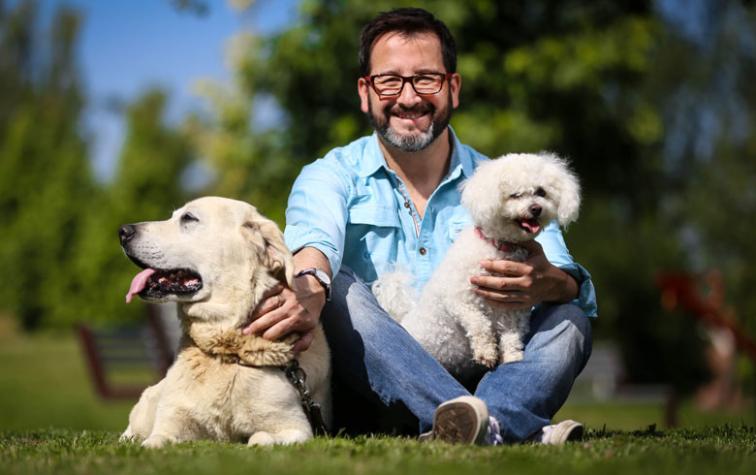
(188, 218)
(515, 195)
(540, 192)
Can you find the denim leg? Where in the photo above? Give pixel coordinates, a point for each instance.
(524, 396)
(377, 361)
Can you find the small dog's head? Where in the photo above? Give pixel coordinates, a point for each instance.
(513, 197)
(211, 250)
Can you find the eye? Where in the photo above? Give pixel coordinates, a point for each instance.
(540, 192)
(188, 218)
(515, 195)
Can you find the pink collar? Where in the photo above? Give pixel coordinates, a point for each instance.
(503, 246)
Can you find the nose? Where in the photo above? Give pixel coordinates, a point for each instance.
(126, 232)
(407, 96)
(535, 211)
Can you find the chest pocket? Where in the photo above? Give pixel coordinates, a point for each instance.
(372, 239)
(455, 227)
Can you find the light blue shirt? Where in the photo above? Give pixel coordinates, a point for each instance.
(357, 212)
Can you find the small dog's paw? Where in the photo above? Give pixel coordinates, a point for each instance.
(512, 356)
(487, 357)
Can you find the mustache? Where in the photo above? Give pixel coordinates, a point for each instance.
(422, 108)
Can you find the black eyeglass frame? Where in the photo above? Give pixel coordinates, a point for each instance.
(407, 79)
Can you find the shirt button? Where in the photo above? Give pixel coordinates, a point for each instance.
(423, 251)
(406, 204)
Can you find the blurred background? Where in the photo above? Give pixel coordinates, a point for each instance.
(120, 111)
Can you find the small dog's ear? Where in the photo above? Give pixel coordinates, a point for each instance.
(478, 190)
(276, 256)
(568, 188)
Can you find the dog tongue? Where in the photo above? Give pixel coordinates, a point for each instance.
(138, 283)
(530, 225)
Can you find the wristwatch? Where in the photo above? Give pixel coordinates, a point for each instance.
(321, 277)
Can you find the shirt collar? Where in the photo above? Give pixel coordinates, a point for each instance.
(373, 159)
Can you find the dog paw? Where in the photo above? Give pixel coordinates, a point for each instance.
(261, 439)
(511, 356)
(487, 357)
(155, 442)
(127, 436)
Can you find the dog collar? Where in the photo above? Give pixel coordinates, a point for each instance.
(503, 246)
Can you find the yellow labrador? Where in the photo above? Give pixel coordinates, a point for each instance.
(216, 257)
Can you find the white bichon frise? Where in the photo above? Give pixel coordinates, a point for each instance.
(510, 200)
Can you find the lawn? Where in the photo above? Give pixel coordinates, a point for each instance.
(51, 422)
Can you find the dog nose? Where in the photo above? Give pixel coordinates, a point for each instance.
(126, 232)
(535, 210)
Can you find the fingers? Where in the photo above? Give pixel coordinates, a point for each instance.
(304, 342)
(514, 300)
(506, 268)
(266, 321)
(283, 327)
(494, 282)
(270, 311)
(268, 303)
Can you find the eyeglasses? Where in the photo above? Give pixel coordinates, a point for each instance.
(390, 85)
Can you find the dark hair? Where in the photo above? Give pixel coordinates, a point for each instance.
(406, 21)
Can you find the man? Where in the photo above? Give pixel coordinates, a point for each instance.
(392, 199)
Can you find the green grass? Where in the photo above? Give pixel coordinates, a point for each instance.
(51, 422)
(716, 450)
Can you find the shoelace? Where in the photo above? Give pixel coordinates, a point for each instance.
(493, 437)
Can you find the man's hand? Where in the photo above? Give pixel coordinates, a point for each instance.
(519, 285)
(284, 311)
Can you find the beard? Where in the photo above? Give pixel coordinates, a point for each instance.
(413, 142)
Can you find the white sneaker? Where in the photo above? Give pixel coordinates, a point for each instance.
(559, 434)
(463, 420)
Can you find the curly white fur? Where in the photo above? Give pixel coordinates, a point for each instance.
(510, 200)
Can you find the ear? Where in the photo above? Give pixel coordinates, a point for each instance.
(363, 90)
(275, 255)
(568, 188)
(481, 192)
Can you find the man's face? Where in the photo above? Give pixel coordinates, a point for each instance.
(409, 121)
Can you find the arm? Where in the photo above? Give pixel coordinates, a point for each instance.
(316, 219)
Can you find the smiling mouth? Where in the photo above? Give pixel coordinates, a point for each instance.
(156, 284)
(410, 115)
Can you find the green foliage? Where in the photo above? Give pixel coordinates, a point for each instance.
(45, 180)
(60, 254)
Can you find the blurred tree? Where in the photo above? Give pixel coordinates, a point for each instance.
(45, 179)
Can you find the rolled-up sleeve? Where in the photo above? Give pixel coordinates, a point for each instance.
(316, 214)
(554, 247)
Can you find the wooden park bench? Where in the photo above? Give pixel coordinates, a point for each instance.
(117, 355)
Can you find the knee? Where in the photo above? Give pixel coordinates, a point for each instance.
(566, 329)
(567, 315)
(352, 310)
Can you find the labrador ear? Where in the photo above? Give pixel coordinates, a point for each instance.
(275, 255)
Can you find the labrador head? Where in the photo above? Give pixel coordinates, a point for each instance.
(213, 250)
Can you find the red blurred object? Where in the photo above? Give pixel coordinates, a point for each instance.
(705, 303)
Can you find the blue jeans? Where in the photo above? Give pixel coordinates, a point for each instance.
(384, 381)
